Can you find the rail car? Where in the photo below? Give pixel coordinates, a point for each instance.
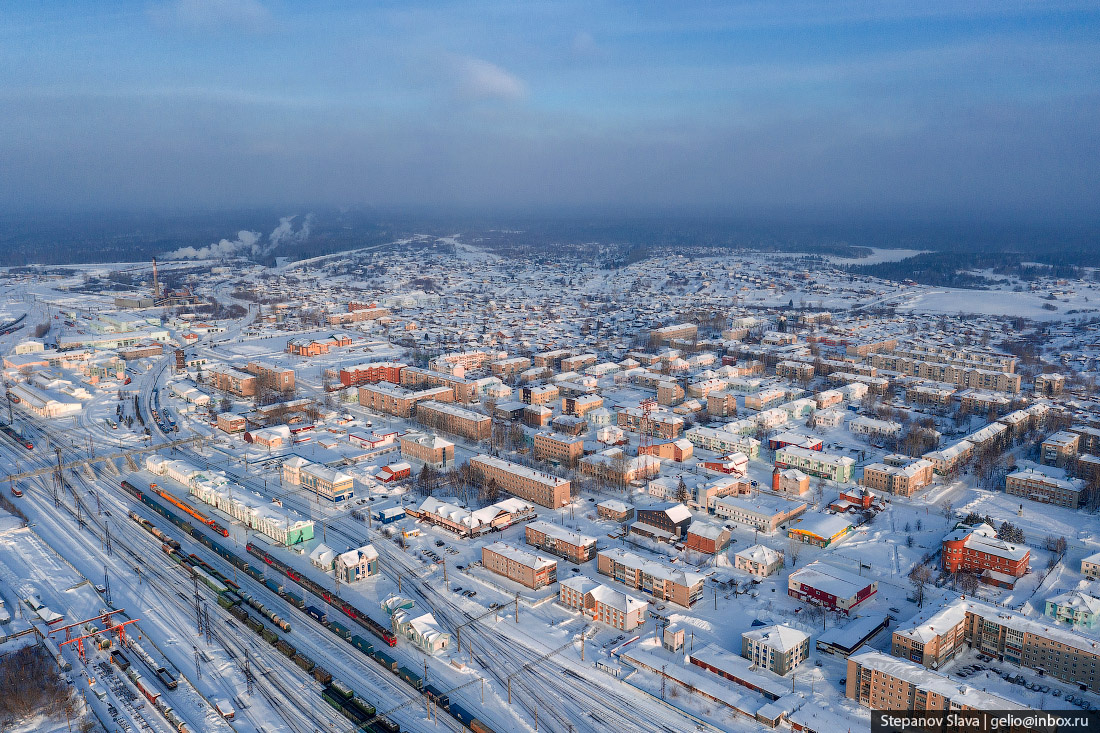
(21, 440)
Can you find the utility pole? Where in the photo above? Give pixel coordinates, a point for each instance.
(247, 673)
(206, 621)
(444, 570)
(198, 666)
(106, 585)
(517, 608)
(198, 611)
(107, 538)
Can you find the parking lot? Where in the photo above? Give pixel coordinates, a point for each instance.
(1027, 685)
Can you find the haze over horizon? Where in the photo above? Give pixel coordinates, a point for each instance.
(972, 110)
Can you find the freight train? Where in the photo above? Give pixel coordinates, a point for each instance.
(145, 498)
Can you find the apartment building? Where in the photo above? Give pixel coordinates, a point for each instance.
(946, 461)
(1060, 448)
(580, 406)
(882, 682)
(602, 603)
(140, 351)
(227, 379)
(669, 393)
(578, 362)
(723, 441)
(1035, 485)
(618, 511)
(551, 359)
(563, 449)
(898, 474)
(668, 521)
(1090, 566)
(391, 399)
(777, 648)
(1049, 385)
(797, 371)
(832, 588)
(662, 581)
(722, 403)
(758, 560)
(454, 420)
(542, 394)
(458, 362)
(526, 568)
(936, 395)
(816, 463)
(765, 397)
(969, 549)
(658, 424)
(526, 483)
(231, 422)
(1079, 610)
(271, 375)
(615, 467)
(371, 373)
(509, 369)
(707, 537)
(762, 512)
(677, 332)
(874, 429)
(428, 449)
(863, 348)
(557, 540)
(465, 390)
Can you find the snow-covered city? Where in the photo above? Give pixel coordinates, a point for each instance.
(698, 491)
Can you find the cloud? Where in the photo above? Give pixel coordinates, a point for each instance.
(245, 241)
(204, 15)
(478, 80)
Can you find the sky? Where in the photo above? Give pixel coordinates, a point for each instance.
(916, 109)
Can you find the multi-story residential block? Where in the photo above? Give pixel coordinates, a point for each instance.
(458, 362)
(763, 513)
(558, 540)
(615, 467)
(816, 463)
(833, 588)
(722, 403)
(1088, 437)
(428, 449)
(455, 420)
(960, 375)
(231, 422)
(525, 568)
(672, 450)
(938, 395)
(371, 373)
(602, 603)
(271, 375)
(790, 481)
(228, 379)
(1075, 608)
(580, 406)
(658, 424)
(1049, 385)
(578, 362)
(1090, 566)
(882, 682)
(140, 351)
(864, 348)
(874, 429)
(563, 449)
(400, 401)
(659, 580)
(678, 332)
(1039, 486)
(759, 560)
(950, 459)
(982, 402)
(465, 390)
(778, 648)
(510, 369)
(526, 483)
(765, 397)
(899, 475)
(969, 549)
(1060, 448)
(723, 441)
(669, 393)
(795, 370)
(551, 359)
(539, 395)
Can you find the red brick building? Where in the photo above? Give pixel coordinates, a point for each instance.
(979, 549)
(372, 373)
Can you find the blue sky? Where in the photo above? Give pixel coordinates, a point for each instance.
(847, 108)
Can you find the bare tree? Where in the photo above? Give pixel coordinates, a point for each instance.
(920, 576)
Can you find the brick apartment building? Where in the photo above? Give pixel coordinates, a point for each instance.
(542, 394)
(526, 568)
(399, 401)
(898, 475)
(659, 424)
(557, 540)
(550, 359)
(707, 537)
(677, 332)
(882, 682)
(1037, 486)
(526, 483)
(602, 603)
(579, 406)
(372, 373)
(777, 648)
(235, 381)
(509, 369)
(465, 390)
(272, 375)
(455, 420)
(657, 579)
(563, 449)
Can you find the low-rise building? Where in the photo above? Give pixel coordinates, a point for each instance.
(231, 422)
(820, 530)
(422, 631)
(759, 560)
(707, 537)
(1040, 486)
(392, 399)
(816, 463)
(326, 483)
(355, 565)
(1075, 608)
(667, 522)
(619, 511)
(970, 549)
(762, 513)
(542, 488)
(472, 523)
(1090, 566)
(428, 449)
(520, 566)
(899, 475)
(566, 450)
(832, 588)
(602, 603)
(658, 424)
(1060, 448)
(454, 420)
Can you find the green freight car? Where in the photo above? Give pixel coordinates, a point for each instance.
(270, 636)
(225, 602)
(340, 630)
(285, 648)
(255, 625)
(239, 613)
(304, 662)
(411, 677)
(362, 645)
(295, 600)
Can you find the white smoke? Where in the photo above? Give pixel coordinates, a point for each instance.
(245, 242)
(285, 234)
